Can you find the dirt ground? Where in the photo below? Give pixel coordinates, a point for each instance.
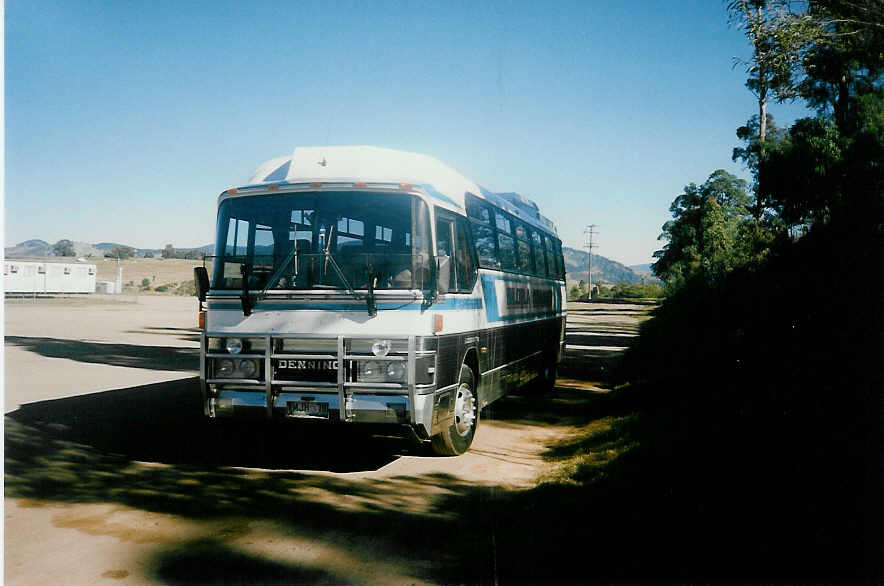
(111, 476)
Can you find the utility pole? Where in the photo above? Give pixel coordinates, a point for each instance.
(588, 235)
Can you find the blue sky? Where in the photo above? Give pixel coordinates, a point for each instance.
(124, 120)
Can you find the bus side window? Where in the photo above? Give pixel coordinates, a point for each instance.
(537, 247)
(506, 245)
(465, 262)
(551, 266)
(560, 262)
(523, 248)
(483, 232)
(444, 248)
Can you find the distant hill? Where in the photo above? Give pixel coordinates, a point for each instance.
(28, 248)
(40, 248)
(604, 269)
(644, 269)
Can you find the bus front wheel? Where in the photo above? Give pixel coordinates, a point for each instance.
(457, 437)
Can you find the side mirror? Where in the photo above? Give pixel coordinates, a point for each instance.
(201, 280)
(443, 274)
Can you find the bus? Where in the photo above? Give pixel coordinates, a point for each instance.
(364, 285)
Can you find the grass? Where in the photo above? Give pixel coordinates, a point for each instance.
(582, 458)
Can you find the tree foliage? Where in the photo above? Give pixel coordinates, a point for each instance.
(848, 59)
(120, 252)
(64, 247)
(700, 238)
(780, 38)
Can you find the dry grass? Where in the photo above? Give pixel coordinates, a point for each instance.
(582, 459)
(158, 271)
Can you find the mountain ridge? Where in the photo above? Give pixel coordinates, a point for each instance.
(37, 248)
(604, 269)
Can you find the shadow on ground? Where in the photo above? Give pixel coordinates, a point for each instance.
(129, 355)
(146, 447)
(163, 422)
(184, 334)
(654, 495)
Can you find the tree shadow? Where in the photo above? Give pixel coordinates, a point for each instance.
(145, 447)
(163, 423)
(184, 334)
(209, 561)
(128, 355)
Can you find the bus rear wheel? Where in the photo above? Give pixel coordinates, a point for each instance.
(456, 439)
(545, 381)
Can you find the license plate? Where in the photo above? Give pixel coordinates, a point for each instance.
(310, 409)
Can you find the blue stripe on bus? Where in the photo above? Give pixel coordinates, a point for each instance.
(489, 292)
(453, 304)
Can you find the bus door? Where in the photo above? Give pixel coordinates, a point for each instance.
(453, 239)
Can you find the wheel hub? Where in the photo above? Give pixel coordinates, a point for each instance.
(464, 410)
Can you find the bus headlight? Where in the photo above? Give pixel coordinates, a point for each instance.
(233, 345)
(223, 368)
(248, 368)
(395, 371)
(230, 368)
(376, 371)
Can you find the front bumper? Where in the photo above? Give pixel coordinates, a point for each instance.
(266, 397)
(362, 407)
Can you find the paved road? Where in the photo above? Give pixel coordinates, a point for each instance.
(111, 475)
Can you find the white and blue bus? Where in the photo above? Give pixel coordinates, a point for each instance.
(362, 285)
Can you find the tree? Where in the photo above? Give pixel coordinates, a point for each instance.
(817, 173)
(779, 39)
(832, 55)
(848, 58)
(700, 237)
(573, 293)
(169, 251)
(64, 248)
(750, 154)
(120, 252)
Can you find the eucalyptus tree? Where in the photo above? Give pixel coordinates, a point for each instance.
(780, 37)
(701, 236)
(847, 59)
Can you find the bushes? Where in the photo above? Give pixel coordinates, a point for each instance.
(636, 291)
(186, 288)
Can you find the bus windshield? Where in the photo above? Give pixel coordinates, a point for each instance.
(322, 240)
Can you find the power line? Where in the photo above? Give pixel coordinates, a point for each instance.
(588, 235)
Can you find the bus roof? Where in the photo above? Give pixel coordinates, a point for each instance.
(378, 165)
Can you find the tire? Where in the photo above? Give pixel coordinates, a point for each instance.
(546, 380)
(456, 439)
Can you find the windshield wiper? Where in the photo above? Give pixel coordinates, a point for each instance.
(369, 298)
(274, 278)
(335, 265)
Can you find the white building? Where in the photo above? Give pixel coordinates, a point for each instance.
(30, 277)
